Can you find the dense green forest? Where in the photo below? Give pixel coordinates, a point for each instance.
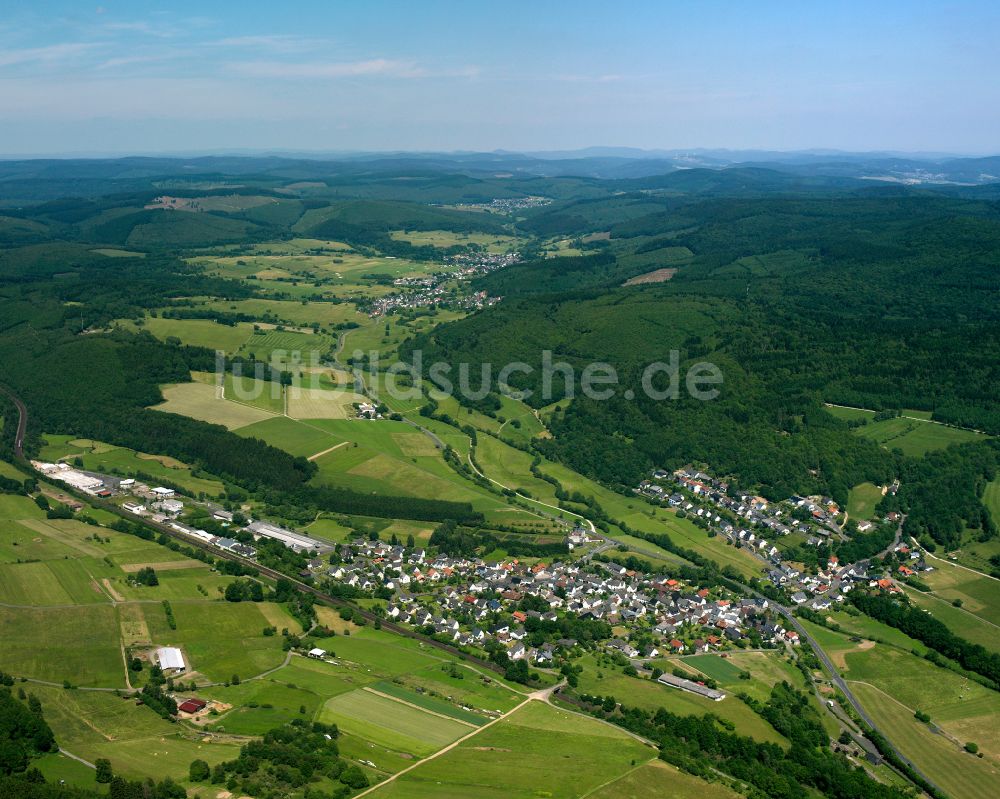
(801, 290)
(879, 299)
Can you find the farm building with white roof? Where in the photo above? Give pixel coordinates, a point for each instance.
(170, 657)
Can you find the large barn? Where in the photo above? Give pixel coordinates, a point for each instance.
(170, 658)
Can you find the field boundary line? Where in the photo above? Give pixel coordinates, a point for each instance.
(969, 613)
(934, 727)
(622, 776)
(371, 690)
(911, 418)
(222, 396)
(960, 566)
(444, 750)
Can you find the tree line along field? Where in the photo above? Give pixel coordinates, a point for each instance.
(892, 683)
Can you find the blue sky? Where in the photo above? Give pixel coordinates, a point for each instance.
(140, 76)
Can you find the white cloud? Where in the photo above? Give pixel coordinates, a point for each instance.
(318, 69)
(50, 54)
(278, 42)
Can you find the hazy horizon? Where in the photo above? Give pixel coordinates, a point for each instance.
(150, 78)
(555, 153)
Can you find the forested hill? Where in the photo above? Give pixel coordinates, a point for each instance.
(882, 300)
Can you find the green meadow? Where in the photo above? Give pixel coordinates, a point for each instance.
(138, 742)
(960, 774)
(978, 593)
(862, 499)
(660, 779)
(915, 437)
(195, 332)
(608, 680)
(537, 751)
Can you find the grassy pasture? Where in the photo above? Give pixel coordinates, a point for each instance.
(59, 582)
(113, 252)
(472, 689)
(291, 435)
(991, 499)
(766, 669)
(285, 347)
(220, 638)
(260, 705)
(663, 781)
(849, 414)
(263, 394)
(867, 627)
(314, 403)
(137, 741)
(77, 643)
(381, 653)
(915, 437)
(960, 621)
(197, 332)
(715, 667)
(57, 767)
(979, 594)
(963, 708)
(390, 723)
(329, 530)
(538, 751)
(446, 238)
(962, 775)
(425, 702)
(605, 680)
(303, 313)
(176, 584)
(201, 401)
(374, 461)
(862, 499)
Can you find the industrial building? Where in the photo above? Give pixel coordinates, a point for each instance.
(693, 687)
(294, 541)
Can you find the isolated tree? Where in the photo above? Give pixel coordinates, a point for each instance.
(104, 771)
(199, 771)
(354, 777)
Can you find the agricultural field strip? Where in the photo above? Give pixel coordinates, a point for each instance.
(446, 749)
(417, 707)
(970, 614)
(908, 709)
